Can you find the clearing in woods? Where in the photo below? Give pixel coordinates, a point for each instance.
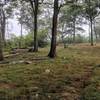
(73, 75)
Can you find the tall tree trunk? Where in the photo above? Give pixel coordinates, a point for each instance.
(1, 52)
(3, 26)
(74, 31)
(35, 27)
(21, 36)
(89, 32)
(62, 36)
(1, 34)
(52, 52)
(91, 21)
(35, 5)
(95, 32)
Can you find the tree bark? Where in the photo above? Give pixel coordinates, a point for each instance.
(74, 30)
(1, 55)
(96, 36)
(1, 34)
(91, 21)
(35, 5)
(1, 52)
(21, 35)
(3, 26)
(52, 52)
(35, 26)
(89, 32)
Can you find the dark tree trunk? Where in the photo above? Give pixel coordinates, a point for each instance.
(1, 34)
(3, 26)
(52, 52)
(91, 31)
(96, 36)
(62, 37)
(35, 5)
(35, 26)
(63, 41)
(74, 30)
(1, 52)
(21, 35)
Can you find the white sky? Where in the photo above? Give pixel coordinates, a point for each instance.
(14, 28)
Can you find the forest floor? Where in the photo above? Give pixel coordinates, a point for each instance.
(73, 75)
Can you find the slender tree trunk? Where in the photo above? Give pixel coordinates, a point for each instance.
(89, 32)
(35, 5)
(3, 25)
(95, 32)
(74, 31)
(21, 36)
(52, 52)
(62, 37)
(35, 27)
(1, 55)
(63, 41)
(91, 21)
(1, 52)
(1, 34)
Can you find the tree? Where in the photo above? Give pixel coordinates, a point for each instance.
(52, 52)
(35, 6)
(1, 52)
(1, 19)
(5, 12)
(56, 10)
(71, 15)
(91, 13)
(75, 12)
(34, 14)
(20, 19)
(97, 28)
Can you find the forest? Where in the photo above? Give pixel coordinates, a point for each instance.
(56, 53)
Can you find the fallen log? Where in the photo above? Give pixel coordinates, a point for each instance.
(4, 62)
(11, 55)
(22, 61)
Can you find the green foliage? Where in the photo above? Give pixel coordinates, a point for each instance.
(79, 38)
(13, 42)
(27, 41)
(91, 8)
(42, 38)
